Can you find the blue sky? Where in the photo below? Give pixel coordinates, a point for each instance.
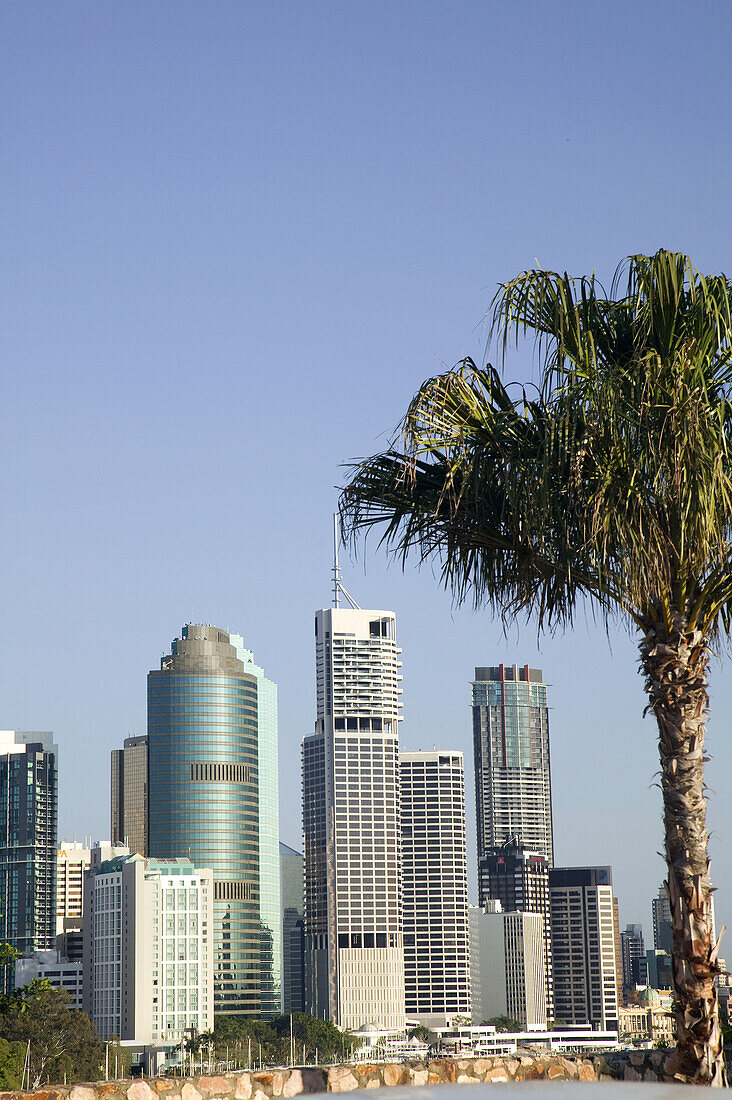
(236, 237)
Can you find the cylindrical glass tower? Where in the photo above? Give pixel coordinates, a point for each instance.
(203, 795)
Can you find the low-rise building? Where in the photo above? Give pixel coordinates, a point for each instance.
(49, 965)
(649, 1020)
(148, 961)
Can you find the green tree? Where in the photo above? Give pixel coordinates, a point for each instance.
(63, 1042)
(504, 1023)
(611, 482)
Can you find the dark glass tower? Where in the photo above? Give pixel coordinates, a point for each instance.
(28, 841)
(129, 795)
(203, 787)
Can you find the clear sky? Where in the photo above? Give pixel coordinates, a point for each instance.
(236, 236)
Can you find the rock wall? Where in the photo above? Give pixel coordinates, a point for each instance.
(638, 1065)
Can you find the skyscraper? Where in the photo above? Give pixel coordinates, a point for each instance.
(511, 745)
(353, 914)
(129, 794)
(583, 946)
(28, 824)
(633, 958)
(204, 794)
(270, 910)
(293, 931)
(434, 886)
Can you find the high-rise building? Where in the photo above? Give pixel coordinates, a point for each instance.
(129, 794)
(204, 798)
(72, 860)
(511, 745)
(519, 879)
(148, 951)
(583, 946)
(28, 824)
(633, 955)
(507, 966)
(270, 913)
(663, 939)
(434, 886)
(293, 930)
(354, 953)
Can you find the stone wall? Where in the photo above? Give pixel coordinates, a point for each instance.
(638, 1065)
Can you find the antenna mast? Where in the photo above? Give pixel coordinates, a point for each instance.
(339, 589)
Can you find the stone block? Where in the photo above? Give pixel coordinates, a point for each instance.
(631, 1074)
(243, 1089)
(511, 1065)
(392, 1074)
(293, 1084)
(83, 1092)
(555, 1071)
(189, 1092)
(587, 1072)
(418, 1075)
(314, 1080)
(637, 1057)
(341, 1079)
(497, 1073)
(167, 1084)
(139, 1090)
(467, 1079)
(481, 1066)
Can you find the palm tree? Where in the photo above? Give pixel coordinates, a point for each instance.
(610, 482)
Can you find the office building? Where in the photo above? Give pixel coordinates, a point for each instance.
(354, 953)
(293, 930)
(507, 966)
(633, 956)
(511, 745)
(129, 795)
(434, 886)
(663, 939)
(519, 879)
(148, 948)
(583, 946)
(28, 831)
(660, 969)
(51, 967)
(270, 908)
(204, 800)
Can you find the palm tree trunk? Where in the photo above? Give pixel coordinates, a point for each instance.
(675, 663)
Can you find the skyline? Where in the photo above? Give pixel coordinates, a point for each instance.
(236, 247)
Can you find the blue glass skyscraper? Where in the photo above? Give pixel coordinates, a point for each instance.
(208, 710)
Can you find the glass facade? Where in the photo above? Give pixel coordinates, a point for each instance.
(28, 842)
(269, 832)
(512, 767)
(203, 711)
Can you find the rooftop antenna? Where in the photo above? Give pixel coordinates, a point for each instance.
(339, 589)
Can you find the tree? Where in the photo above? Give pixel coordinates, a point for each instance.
(611, 482)
(63, 1042)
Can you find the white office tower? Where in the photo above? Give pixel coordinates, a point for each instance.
(583, 946)
(72, 860)
(434, 886)
(48, 966)
(507, 974)
(354, 955)
(148, 935)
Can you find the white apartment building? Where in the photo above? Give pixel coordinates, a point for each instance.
(353, 914)
(148, 935)
(507, 971)
(583, 946)
(434, 886)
